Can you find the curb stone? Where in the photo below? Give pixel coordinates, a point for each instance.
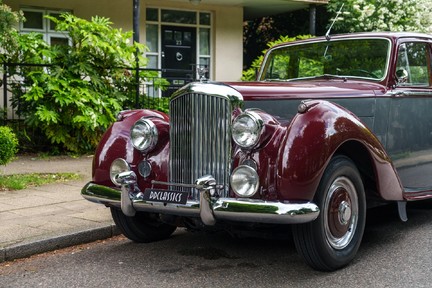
(23, 250)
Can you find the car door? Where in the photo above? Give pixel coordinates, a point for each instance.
(409, 135)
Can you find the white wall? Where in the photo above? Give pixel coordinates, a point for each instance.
(228, 44)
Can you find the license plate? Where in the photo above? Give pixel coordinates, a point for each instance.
(165, 196)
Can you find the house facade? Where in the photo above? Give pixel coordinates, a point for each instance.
(180, 34)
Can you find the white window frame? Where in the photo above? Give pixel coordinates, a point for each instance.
(46, 32)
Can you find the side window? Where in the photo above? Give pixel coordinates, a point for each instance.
(413, 64)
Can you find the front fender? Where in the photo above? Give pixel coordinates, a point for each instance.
(116, 143)
(313, 137)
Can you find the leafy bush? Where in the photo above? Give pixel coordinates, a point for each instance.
(250, 74)
(8, 145)
(76, 97)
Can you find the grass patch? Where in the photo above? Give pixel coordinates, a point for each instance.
(23, 181)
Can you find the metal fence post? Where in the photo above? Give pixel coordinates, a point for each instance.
(4, 92)
(136, 36)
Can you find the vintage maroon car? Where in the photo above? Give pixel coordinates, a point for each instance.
(332, 127)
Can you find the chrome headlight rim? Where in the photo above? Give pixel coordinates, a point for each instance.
(247, 177)
(248, 139)
(118, 166)
(145, 138)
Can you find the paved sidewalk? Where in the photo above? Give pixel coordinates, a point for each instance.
(52, 216)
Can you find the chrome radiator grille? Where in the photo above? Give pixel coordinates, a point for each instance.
(200, 139)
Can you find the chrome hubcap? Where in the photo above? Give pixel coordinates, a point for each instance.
(341, 213)
(344, 212)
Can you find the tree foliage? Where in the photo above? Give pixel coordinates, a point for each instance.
(377, 15)
(258, 32)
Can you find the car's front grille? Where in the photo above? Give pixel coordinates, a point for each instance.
(200, 139)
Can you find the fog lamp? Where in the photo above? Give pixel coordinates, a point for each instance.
(118, 166)
(244, 181)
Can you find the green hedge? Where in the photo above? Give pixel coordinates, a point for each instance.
(8, 145)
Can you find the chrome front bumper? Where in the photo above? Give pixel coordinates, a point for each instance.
(209, 208)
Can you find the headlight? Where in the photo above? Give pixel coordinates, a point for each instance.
(244, 181)
(144, 135)
(247, 129)
(118, 166)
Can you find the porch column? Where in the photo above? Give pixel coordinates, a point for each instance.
(312, 19)
(136, 36)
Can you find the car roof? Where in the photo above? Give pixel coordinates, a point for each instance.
(389, 35)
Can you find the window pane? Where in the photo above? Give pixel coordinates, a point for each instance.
(152, 37)
(204, 61)
(52, 25)
(184, 17)
(365, 58)
(205, 18)
(412, 58)
(152, 61)
(168, 35)
(59, 41)
(34, 20)
(187, 36)
(152, 14)
(204, 41)
(178, 35)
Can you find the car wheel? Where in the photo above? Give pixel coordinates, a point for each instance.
(332, 240)
(143, 227)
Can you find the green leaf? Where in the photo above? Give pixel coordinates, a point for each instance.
(46, 115)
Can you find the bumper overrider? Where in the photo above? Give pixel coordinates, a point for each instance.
(209, 208)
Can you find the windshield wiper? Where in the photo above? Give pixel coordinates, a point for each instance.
(324, 76)
(277, 80)
(329, 76)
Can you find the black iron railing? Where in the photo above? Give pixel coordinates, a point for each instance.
(143, 93)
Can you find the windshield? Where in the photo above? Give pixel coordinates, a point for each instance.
(364, 58)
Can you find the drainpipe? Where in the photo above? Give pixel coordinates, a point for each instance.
(136, 32)
(312, 19)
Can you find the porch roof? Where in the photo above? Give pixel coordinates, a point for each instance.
(259, 8)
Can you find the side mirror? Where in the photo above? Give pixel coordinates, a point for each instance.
(401, 76)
